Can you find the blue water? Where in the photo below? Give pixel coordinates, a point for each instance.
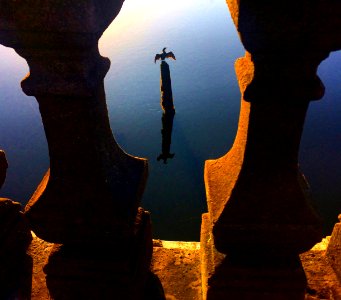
(206, 98)
(320, 155)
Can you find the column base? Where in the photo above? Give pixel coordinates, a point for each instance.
(108, 270)
(247, 277)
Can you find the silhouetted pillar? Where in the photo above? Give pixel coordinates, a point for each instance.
(259, 218)
(166, 88)
(89, 198)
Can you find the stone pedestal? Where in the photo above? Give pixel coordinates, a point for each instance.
(334, 249)
(90, 196)
(259, 217)
(251, 275)
(107, 270)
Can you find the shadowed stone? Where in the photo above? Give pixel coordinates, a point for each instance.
(89, 198)
(334, 249)
(259, 217)
(93, 188)
(96, 270)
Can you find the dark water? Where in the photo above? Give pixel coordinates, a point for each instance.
(206, 98)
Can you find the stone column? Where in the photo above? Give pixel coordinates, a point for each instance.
(15, 237)
(259, 217)
(89, 199)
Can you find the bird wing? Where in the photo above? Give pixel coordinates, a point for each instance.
(157, 56)
(170, 55)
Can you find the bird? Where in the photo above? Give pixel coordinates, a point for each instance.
(164, 55)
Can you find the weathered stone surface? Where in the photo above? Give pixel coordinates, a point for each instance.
(256, 195)
(177, 266)
(88, 201)
(39, 251)
(113, 269)
(177, 274)
(322, 279)
(334, 249)
(259, 217)
(258, 200)
(93, 188)
(250, 276)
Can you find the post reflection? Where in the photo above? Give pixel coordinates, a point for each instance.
(166, 131)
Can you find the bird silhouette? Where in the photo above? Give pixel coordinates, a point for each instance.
(164, 55)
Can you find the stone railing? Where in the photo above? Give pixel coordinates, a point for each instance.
(259, 218)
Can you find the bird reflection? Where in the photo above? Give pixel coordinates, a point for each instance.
(167, 127)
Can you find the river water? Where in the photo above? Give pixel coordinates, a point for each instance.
(206, 98)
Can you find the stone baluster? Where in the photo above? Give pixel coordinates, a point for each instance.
(259, 217)
(334, 249)
(15, 237)
(89, 199)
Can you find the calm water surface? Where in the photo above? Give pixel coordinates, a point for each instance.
(206, 98)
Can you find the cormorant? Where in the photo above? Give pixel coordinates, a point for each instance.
(164, 55)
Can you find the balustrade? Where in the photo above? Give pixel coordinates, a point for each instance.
(259, 217)
(88, 201)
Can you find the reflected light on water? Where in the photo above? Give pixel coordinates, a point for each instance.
(137, 17)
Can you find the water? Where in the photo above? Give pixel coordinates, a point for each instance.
(206, 98)
(320, 157)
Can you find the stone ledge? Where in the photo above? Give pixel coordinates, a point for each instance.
(177, 266)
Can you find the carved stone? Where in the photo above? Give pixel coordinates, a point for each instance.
(90, 196)
(259, 217)
(334, 249)
(93, 188)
